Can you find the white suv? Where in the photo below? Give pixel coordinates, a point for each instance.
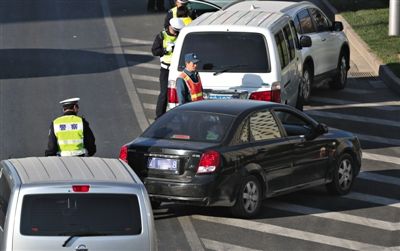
(329, 55)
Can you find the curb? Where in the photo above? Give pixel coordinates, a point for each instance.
(376, 64)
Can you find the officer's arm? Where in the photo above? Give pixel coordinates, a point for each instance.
(167, 18)
(157, 49)
(52, 146)
(88, 138)
(181, 90)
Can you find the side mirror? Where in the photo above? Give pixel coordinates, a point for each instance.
(337, 26)
(322, 128)
(305, 41)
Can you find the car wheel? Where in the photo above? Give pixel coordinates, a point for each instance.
(299, 101)
(306, 84)
(248, 201)
(343, 176)
(155, 204)
(340, 80)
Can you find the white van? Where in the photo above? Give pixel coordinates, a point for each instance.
(73, 203)
(248, 54)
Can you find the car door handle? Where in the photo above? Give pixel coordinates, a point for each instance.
(323, 39)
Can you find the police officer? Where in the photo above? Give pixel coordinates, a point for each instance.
(70, 135)
(172, 13)
(183, 13)
(188, 84)
(163, 47)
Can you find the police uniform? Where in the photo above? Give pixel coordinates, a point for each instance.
(172, 13)
(188, 85)
(70, 135)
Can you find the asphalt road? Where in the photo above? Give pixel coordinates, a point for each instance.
(100, 51)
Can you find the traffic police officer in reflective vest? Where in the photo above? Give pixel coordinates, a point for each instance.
(172, 13)
(70, 135)
(188, 84)
(163, 46)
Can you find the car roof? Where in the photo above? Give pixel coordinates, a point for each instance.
(33, 170)
(273, 6)
(232, 107)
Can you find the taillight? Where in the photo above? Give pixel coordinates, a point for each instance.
(274, 95)
(209, 162)
(172, 95)
(80, 188)
(123, 153)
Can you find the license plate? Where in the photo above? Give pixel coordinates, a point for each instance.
(163, 164)
(220, 96)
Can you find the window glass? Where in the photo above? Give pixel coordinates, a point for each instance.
(295, 32)
(293, 124)
(5, 193)
(282, 49)
(190, 126)
(297, 24)
(306, 24)
(289, 41)
(68, 214)
(230, 51)
(322, 22)
(263, 126)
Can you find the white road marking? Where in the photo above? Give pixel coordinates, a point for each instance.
(338, 216)
(373, 199)
(135, 52)
(130, 87)
(144, 65)
(136, 41)
(149, 106)
(145, 78)
(357, 91)
(290, 233)
(148, 91)
(379, 178)
(190, 233)
(382, 158)
(369, 120)
(338, 103)
(377, 139)
(216, 245)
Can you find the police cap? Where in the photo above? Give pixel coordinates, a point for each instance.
(70, 101)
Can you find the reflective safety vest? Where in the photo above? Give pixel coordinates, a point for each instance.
(167, 39)
(186, 20)
(69, 132)
(195, 88)
(174, 10)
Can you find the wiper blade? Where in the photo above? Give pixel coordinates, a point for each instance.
(228, 68)
(82, 234)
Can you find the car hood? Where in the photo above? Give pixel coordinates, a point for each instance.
(337, 133)
(175, 144)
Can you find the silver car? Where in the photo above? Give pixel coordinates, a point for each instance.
(73, 203)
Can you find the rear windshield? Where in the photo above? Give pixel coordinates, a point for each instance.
(190, 126)
(69, 214)
(230, 51)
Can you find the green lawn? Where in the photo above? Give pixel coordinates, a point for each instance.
(370, 19)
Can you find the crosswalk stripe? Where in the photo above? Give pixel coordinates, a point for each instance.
(369, 120)
(148, 91)
(364, 221)
(290, 233)
(190, 233)
(144, 65)
(373, 199)
(145, 78)
(382, 158)
(149, 106)
(377, 139)
(136, 41)
(217, 245)
(136, 52)
(379, 178)
(357, 91)
(338, 103)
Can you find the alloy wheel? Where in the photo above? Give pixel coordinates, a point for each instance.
(306, 85)
(251, 196)
(345, 174)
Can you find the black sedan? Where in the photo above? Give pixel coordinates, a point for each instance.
(236, 153)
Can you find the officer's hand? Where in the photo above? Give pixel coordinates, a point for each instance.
(170, 47)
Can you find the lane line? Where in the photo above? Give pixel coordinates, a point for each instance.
(136, 52)
(217, 246)
(357, 91)
(149, 106)
(356, 118)
(144, 65)
(378, 139)
(379, 178)
(148, 91)
(190, 233)
(386, 106)
(337, 216)
(290, 233)
(373, 199)
(136, 41)
(145, 78)
(129, 85)
(382, 158)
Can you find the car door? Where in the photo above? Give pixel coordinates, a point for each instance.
(310, 153)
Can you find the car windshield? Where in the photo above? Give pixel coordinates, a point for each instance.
(75, 214)
(219, 50)
(190, 126)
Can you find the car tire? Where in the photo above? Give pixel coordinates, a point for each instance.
(340, 80)
(249, 198)
(306, 84)
(299, 101)
(343, 175)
